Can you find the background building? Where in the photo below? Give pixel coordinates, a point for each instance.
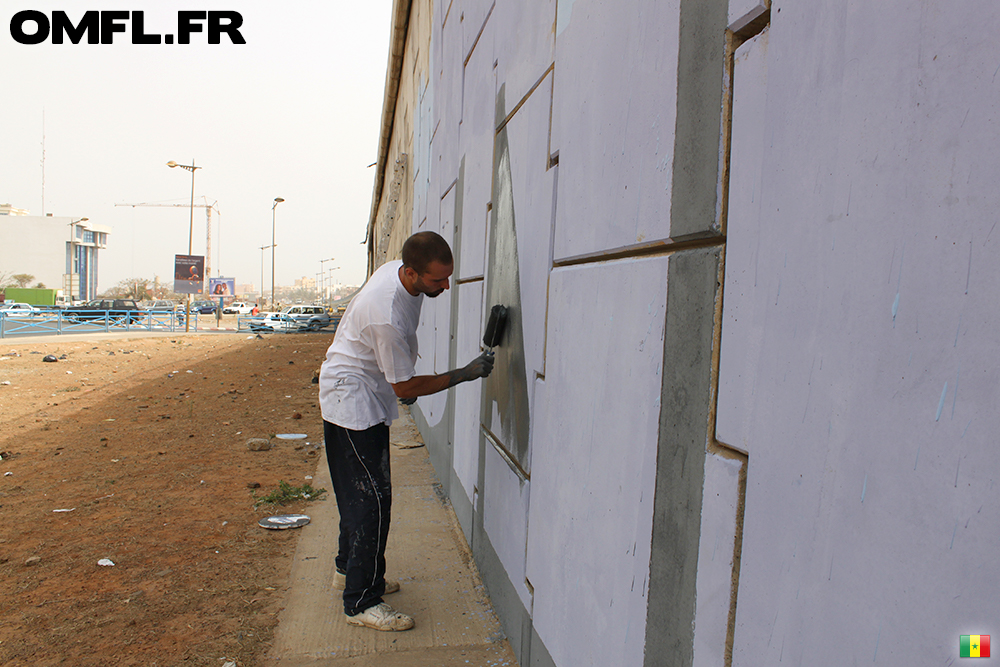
(745, 409)
(62, 252)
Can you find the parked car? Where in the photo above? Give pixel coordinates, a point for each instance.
(274, 323)
(204, 307)
(238, 308)
(312, 318)
(118, 311)
(17, 309)
(162, 308)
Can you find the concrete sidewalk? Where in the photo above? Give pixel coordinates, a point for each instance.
(427, 553)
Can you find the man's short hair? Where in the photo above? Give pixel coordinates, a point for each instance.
(423, 248)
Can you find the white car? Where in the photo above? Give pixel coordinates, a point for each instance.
(15, 309)
(238, 308)
(273, 323)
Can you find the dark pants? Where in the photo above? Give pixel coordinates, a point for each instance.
(359, 467)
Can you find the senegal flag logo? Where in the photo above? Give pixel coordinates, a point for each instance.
(974, 646)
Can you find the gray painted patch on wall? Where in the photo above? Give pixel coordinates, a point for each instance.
(505, 392)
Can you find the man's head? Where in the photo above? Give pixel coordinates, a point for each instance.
(427, 264)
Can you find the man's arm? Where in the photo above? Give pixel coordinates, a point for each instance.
(424, 385)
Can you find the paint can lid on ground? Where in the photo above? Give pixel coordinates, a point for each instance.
(283, 521)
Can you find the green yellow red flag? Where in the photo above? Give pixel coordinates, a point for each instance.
(974, 646)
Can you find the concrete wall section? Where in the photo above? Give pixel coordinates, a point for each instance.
(870, 513)
(677, 543)
(613, 120)
(594, 461)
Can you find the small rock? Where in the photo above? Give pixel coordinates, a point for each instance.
(296, 415)
(50, 358)
(106, 562)
(253, 485)
(258, 444)
(34, 560)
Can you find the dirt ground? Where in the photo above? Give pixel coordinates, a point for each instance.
(136, 451)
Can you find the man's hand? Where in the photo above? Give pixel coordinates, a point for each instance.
(481, 366)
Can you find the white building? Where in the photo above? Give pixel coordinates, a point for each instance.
(61, 252)
(7, 209)
(745, 410)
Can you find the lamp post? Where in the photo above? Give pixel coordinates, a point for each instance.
(321, 263)
(190, 167)
(277, 200)
(72, 238)
(262, 249)
(330, 278)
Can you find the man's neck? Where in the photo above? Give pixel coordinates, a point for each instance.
(407, 284)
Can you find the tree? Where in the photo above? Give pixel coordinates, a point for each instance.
(131, 288)
(23, 279)
(40, 285)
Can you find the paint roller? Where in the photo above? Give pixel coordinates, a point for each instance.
(495, 327)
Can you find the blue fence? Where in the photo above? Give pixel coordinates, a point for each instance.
(57, 321)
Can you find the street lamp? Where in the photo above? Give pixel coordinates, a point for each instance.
(330, 279)
(262, 249)
(323, 281)
(191, 168)
(277, 200)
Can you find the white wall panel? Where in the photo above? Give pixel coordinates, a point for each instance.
(715, 560)
(871, 509)
(613, 119)
(528, 47)
(532, 186)
(420, 164)
(743, 320)
(448, 110)
(468, 395)
(593, 462)
(474, 15)
(477, 134)
(505, 519)
(742, 12)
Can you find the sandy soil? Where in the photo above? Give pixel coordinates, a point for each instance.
(135, 451)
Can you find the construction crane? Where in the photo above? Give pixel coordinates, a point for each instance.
(208, 227)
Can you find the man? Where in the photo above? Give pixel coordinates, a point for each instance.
(367, 368)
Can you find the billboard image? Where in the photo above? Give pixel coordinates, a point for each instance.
(189, 271)
(222, 286)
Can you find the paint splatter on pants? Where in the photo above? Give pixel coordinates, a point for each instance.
(359, 467)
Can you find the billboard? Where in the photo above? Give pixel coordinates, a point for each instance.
(189, 271)
(222, 286)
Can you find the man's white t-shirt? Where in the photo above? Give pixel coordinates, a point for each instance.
(375, 347)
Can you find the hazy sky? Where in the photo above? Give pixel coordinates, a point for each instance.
(293, 113)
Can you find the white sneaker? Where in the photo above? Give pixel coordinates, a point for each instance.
(382, 617)
(340, 583)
